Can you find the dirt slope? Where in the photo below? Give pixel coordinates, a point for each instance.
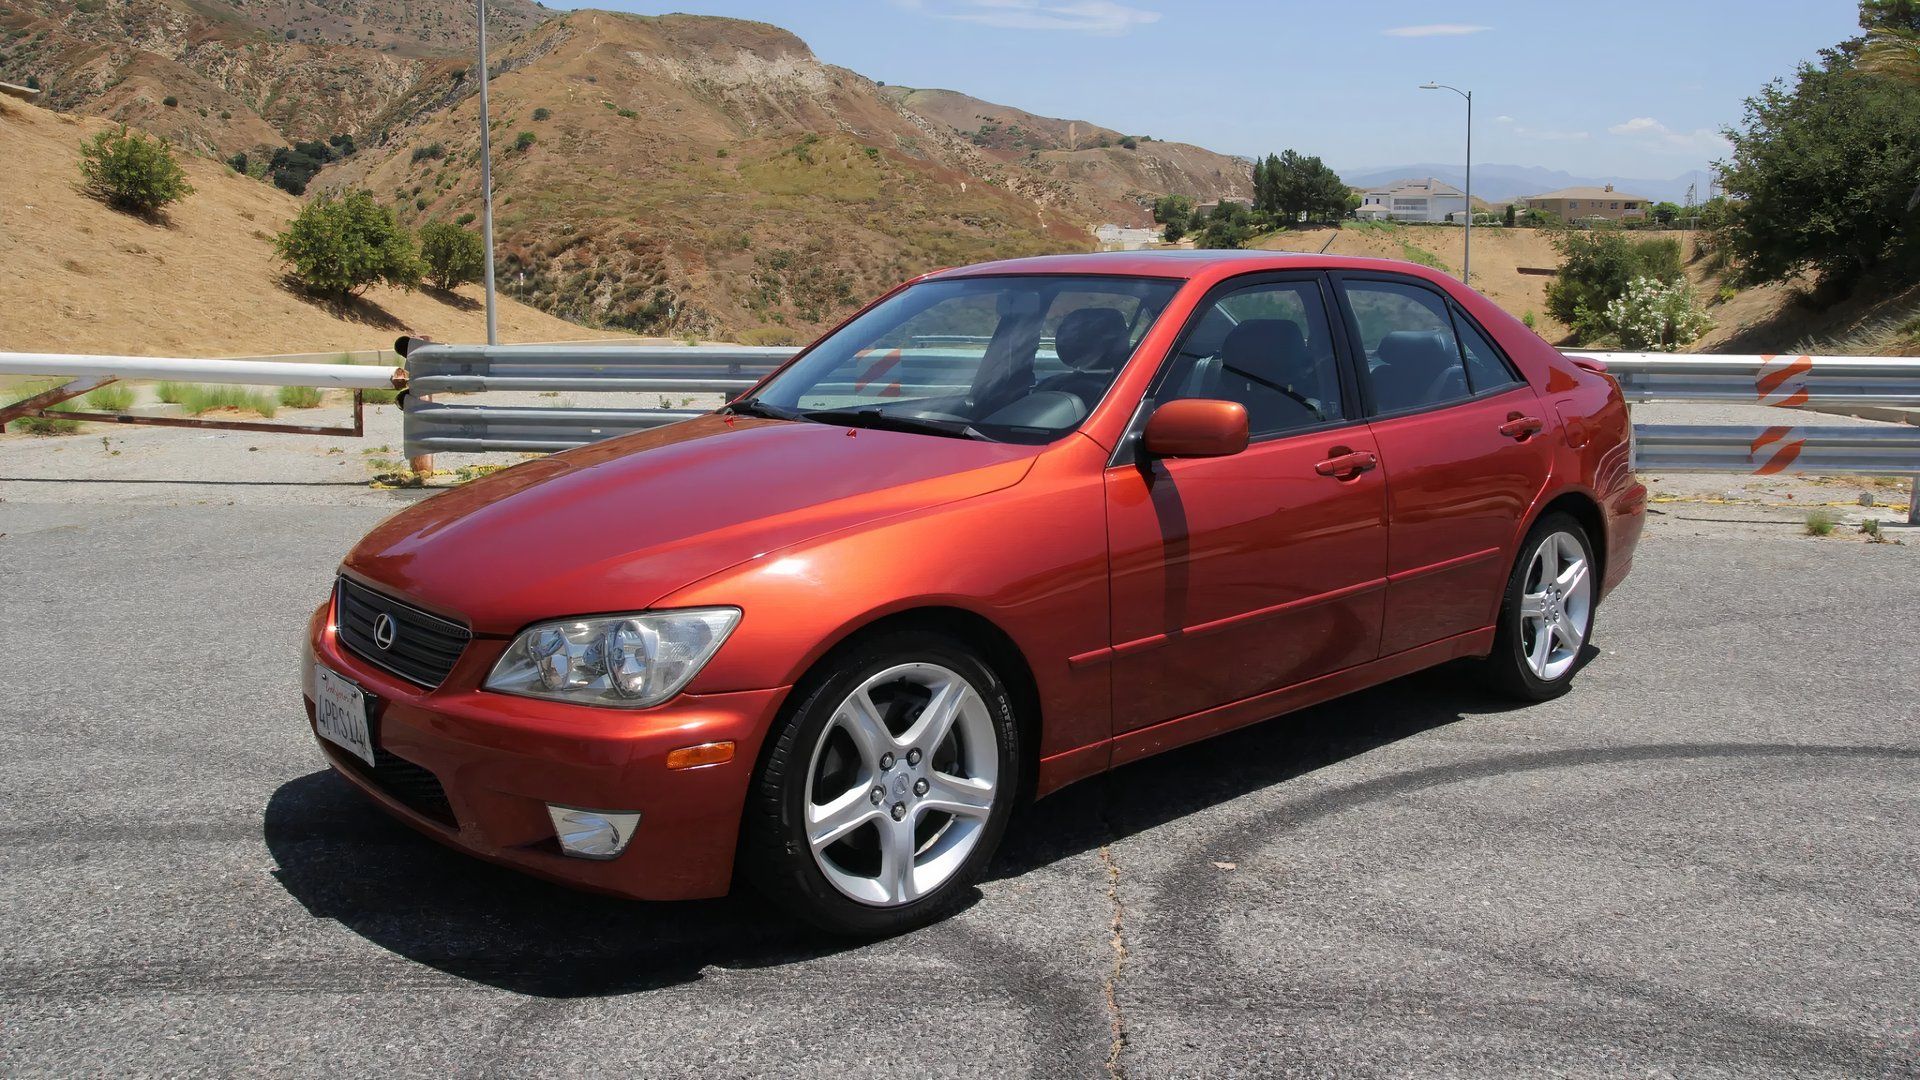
(1081, 165)
(82, 278)
(689, 174)
(242, 75)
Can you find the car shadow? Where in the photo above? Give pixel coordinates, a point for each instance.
(344, 859)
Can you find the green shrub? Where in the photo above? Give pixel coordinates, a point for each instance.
(1656, 315)
(542, 114)
(170, 393)
(300, 397)
(339, 246)
(198, 399)
(452, 255)
(1819, 523)
(627, 114)
(524, 140)
(1597, 269)
(1529, 320)
(170, 101)
(379, 397)
(37, 425)
(113, 397)
(132, 171)
(464, 219)
(432, 152)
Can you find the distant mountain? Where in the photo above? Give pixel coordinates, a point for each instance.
(1497, 183)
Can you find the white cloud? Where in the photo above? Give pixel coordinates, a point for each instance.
(1435, 30)
(1540, 135)
(1503, 119)
(1648, 130)
(1108, 17)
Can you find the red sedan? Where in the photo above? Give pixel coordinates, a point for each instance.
(1009, 526)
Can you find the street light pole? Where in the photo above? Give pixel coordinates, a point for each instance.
(486, 178)
(1466, 260)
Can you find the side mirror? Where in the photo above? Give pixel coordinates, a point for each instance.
(1196, 427)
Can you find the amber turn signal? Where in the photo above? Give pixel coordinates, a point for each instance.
(693, 757)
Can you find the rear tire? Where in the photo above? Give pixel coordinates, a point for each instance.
(1546, 615)
(888, 787)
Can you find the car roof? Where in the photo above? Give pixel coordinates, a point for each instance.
(1180, 263)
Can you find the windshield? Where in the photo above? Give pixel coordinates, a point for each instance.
(1014, 359)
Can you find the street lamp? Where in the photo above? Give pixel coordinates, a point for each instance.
(486, 177)
(1466, 260)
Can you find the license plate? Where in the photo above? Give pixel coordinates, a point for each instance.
(340, 713)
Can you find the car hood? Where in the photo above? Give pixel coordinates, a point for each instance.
(617, 525)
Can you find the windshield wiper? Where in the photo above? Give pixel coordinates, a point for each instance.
(874, 418)
(756, 407)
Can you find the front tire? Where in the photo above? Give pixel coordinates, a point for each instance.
(1546, 616)
(886, 791)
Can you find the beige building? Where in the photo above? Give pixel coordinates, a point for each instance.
(1586, 203)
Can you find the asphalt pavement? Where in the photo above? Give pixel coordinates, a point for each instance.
(1700, 863)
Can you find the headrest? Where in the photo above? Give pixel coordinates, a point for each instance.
(1421, 350)
(1258, 343)
(1091, 339)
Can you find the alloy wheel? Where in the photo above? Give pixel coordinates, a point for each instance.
(1556, 606)
(901, 783)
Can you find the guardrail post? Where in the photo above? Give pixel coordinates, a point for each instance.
(1913, 503)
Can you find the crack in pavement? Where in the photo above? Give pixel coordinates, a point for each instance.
(1116, 1021)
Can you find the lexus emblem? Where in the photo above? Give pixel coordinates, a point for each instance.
(383, 630)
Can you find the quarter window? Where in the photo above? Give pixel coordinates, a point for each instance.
(1486, 368)
(1412, 357)
(1268, 347)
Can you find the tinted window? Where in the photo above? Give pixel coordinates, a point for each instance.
(1486, 368)
(1267, 347)
(1412, 357)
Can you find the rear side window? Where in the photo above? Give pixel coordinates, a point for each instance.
(1412, 357)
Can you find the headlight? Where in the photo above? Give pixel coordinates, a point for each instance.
(622, 661)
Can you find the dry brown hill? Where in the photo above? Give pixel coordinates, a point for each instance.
(82, 278)
(1096, 172)
(241, 75)
(701, 175)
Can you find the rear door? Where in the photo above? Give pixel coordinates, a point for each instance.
(1461, 438)
(1235, 576)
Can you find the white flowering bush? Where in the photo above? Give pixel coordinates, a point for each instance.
(1656, 316)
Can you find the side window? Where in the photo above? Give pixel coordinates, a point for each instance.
(1268, 347)
(1486, 369)
(1412, 357)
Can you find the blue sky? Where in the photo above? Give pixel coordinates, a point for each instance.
(1628, 88)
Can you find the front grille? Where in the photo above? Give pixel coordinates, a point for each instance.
(424, 646)
(412, 786)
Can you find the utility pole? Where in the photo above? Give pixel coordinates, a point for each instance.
(486, 179)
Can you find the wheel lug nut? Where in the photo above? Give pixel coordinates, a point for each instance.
(920, 786)
(913, 757)
(899, 810)
(876, 795)
(886, 761)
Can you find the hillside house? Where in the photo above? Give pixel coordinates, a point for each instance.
(1589, 203)
(1413, 200)
(1120, 238)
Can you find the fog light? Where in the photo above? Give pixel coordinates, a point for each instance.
(592, 834)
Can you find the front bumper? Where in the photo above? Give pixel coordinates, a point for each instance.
(500, 760)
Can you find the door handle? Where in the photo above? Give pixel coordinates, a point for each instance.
(1520, 427)
(1345, 465)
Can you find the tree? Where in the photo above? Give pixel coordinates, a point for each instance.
(1822, 175)
(132, 171)
(337, 246)
(1597, 269)
(1664, 213)
(452, 256)
(1228, 225)
(1512, 212)
(1175, 213)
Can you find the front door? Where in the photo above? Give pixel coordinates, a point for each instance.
(1462, 444)
(1240, 575)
